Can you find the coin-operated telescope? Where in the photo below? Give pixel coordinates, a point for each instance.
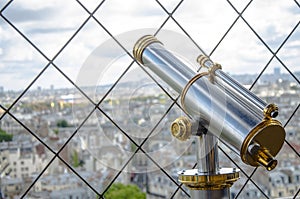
(218, 108)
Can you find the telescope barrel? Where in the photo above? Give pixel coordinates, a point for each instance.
(228, 110)
(237, 91)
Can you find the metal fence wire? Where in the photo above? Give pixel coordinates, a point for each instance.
(106, 19)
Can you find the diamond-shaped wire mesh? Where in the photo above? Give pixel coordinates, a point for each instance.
(73, 140)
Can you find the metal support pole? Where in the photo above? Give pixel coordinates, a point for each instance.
(207, 154)
(210, 194)
(208, 164)
(208, 181)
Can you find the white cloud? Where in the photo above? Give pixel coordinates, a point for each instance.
(205, 21)
(273, 20)
(49, 24)
(122, 16)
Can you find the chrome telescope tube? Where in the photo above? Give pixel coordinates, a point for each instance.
(240, 93)
(232, 113)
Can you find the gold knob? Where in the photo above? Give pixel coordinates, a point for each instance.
(181, 128)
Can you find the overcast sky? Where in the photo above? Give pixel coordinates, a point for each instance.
(49, 25)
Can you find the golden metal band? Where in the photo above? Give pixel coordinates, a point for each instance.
(201, 59)
(188, 85)
(210, 72)
(140, 46)
(205, 181)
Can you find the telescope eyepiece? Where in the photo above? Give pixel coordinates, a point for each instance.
(262, 156)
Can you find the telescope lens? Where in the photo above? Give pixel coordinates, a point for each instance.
(271, 111)
(274, 114)
(272, 164)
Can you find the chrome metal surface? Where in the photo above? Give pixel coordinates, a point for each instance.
(210, 194)
(208, 164)
(210, 180)
(241, 93)
(207, 154)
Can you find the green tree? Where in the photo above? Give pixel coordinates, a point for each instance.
(121, 191)
(76, 162)
(62, 123)
(75, 159)
(56, 131)
(5, 136)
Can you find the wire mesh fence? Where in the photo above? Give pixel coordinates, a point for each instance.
(71, 140)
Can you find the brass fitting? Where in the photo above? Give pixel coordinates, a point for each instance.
(196, 180)
(140, 46)
(263, 156)
(181, 128)
(202, 59)
(205, 62)
(258, 149)
(271, 111)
